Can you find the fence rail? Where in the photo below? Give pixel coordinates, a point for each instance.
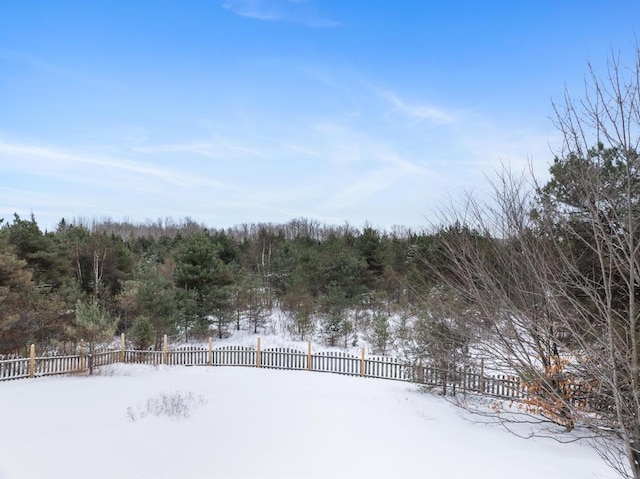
(499, 386)
(284, 358)
(55, 364)
(14, 369)
(388, 368)
(383, 367)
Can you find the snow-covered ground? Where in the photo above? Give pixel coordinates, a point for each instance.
(257, 423)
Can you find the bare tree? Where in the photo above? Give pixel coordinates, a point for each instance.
(497, 260)
(553, 272)
(598, 210)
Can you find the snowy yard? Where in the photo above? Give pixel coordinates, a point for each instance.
(260, 424)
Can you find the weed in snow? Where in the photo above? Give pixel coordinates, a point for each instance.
(176, 405)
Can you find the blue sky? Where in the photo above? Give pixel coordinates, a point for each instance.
(244, 111)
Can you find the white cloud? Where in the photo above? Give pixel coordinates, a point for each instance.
(90, 168)
(359, 188)
(136, 136)
(256, 9)
(210, 149)
(303, 150)
(318, 163)
(415, 112)
(292, 11)
(71, 74)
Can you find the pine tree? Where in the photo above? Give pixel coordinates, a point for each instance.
(93, 324)
(142, 332)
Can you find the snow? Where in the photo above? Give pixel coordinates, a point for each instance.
(259, 423)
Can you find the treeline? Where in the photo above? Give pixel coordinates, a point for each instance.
(185, 280)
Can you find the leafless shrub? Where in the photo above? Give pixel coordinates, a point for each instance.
(176, 405)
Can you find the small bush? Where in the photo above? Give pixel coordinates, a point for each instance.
(176, 405)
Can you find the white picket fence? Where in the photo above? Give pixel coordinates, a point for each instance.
(337, 362)
(277, 358)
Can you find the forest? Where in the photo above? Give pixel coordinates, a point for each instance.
(189, 281)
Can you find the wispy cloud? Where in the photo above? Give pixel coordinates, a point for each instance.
(209, 149)
(48, 68)
(366, 167)
(360, 188)
(258, 10)
(300, 12)
(136, 136)
(414, 111)
(43, 203)
(88, 167)
(303, 150)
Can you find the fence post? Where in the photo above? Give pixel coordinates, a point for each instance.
(465, 375)
(420, 372)
(445, 378)
(164, 350)
(454, 380)
(82, 362)
(122, 357)
(32, 361)
(309, 355)
(481, 385)
(258, 354)
(210, 355)
(362, 364)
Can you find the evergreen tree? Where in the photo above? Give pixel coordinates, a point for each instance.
(380, 333)
(93, 324)
(42, 252)
(205, 282)
(142, 333)
(18, 325)
(156, 298)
